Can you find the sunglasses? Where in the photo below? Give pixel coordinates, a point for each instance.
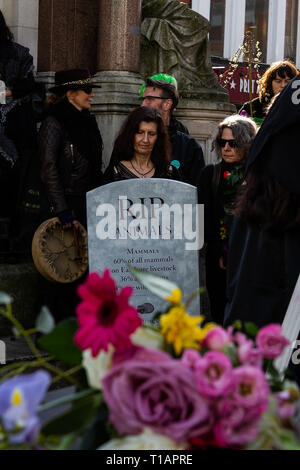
(87, 89)
(230, 142)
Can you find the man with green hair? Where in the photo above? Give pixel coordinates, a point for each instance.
(168, 92)
(160, 92)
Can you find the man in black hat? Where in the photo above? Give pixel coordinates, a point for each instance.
(187, 154)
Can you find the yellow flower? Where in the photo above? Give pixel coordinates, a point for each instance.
(175, 297)
(182, 330)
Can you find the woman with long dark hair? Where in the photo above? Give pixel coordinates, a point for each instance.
(142, 148)
(264, 252)
(273, 81)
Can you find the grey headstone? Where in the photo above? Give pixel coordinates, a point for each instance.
(158, 246)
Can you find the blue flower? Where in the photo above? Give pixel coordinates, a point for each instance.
(19, 400)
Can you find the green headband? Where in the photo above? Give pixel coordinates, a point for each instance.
(160, 76)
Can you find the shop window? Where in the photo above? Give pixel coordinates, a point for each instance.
(256, 19)
(217, 21)
(290, 40)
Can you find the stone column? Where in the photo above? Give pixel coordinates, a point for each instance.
(118, 67)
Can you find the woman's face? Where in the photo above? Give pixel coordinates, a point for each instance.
(81, 99)
(278, 84)
(145, 138)
(230, 153)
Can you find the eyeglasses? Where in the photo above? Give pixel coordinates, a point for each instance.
(87, 89)
(154, 98)
(231, 142)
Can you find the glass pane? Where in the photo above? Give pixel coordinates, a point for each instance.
(217, 20)
(291, 29)
(257, 16)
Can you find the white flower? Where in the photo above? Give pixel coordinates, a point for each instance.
(147, 440)
(147, 338)
(97, 367)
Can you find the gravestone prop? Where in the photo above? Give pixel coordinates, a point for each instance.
(151, 224)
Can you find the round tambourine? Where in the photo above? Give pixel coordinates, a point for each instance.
(60, 255)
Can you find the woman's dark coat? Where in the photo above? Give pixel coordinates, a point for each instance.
(264, 266)
(70, 148)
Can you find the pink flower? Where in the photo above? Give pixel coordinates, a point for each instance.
(270, 341)
(286, 406)
(191, 358)
(213, 374)
(104, 316)
(216, 339)
(226, 174)
(235, 436)
(247, 354)
(158, 395)
(251, 388)
(237, 425)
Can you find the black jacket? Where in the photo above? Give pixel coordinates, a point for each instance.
(70, 148)
(16, 69)
(188, 152)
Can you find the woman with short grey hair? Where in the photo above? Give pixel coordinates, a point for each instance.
(243, 130)
(218, 188)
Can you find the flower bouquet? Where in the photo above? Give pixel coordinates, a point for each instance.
(185, 384)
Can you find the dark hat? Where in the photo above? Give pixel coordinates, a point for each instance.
(72, 79)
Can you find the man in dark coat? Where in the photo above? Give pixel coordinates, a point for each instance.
(187, 154)
(264, 252)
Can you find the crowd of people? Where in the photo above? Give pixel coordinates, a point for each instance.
(251, 194)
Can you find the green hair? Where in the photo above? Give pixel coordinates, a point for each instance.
(160, 76)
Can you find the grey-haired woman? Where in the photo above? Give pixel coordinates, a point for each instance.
(218, 187)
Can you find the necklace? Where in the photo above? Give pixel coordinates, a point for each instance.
(142, 174)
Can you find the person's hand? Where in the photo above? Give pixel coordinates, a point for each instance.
(221, 263)
(67, 219)
(8, 93)
(70, 225)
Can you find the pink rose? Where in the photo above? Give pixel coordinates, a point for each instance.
(161, 396)
(251, 388)
(213, 374)
(216, 339)
(270, 341)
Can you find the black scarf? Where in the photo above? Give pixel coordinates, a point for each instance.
(82, 130)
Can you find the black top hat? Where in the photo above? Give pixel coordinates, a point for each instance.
(72, 79)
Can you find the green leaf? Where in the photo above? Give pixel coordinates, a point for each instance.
(5, 299)
(157, 285)
(59, 343)
(45, 322)
(98, 432)
(67, 441)
(251, 329)
(237, 325)
(77, 419)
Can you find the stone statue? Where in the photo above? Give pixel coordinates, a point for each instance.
(174, 41)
